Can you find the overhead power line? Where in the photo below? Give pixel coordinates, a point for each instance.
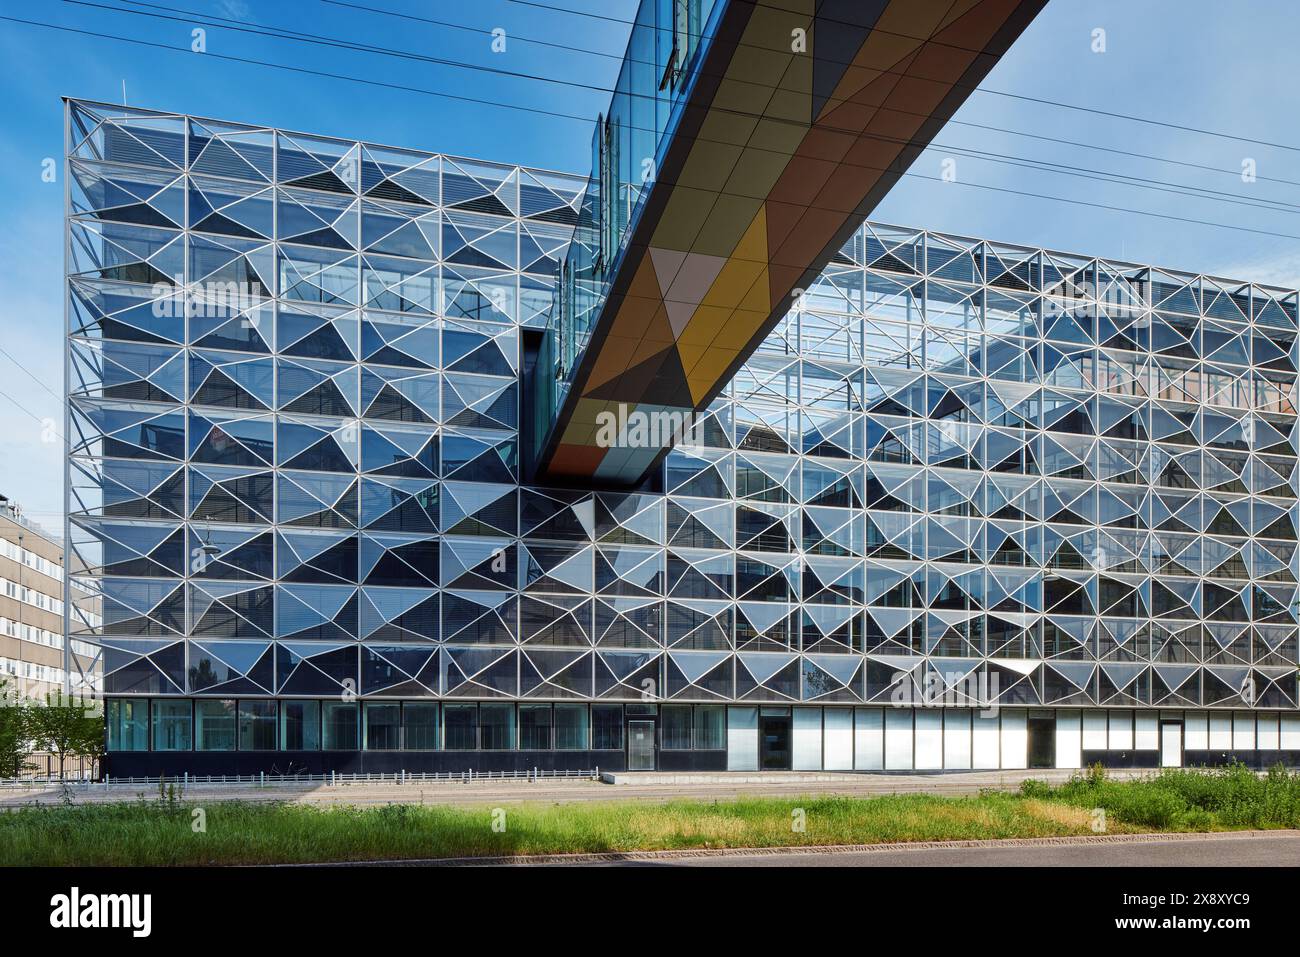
(801, 14)
(1076, 144)
(477, 31)
(978, 89)
(300, 36)
(1045, 165)
(27, 372)
(411, 89)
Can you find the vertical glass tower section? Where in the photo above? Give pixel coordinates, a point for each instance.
(961, 478)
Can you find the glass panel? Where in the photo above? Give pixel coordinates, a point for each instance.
(340, 724)
(607, 727)
(710, 727)
(571, 727)
(257, 725)
(128, 725)
(172, 725)
(383, 724)
(300, 725)
(420, 726)
(676, 727)
(640, 745)
(461, 726)
(535, 727)
(498, 726)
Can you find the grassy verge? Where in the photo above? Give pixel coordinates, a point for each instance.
(164, 833)
(1184, 800)
(245, 833)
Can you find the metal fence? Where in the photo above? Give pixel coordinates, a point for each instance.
(331, 779)
(44, 766)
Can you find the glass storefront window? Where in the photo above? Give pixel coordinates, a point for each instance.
(383, 726)
(571, 727)
(172, 725)
(710, 727)
(339, 721)
(497, 724)
(257, 725)
(534, 727)
(300, 725)
(676, 727)
(420, 726)
(214, 725)
(607, 727)
(128, 725)
(460, 723)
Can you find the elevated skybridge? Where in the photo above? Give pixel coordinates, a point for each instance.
(744, 143)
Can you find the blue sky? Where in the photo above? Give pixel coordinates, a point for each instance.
(1226, 68)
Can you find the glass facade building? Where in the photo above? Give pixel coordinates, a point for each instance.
(970, 505)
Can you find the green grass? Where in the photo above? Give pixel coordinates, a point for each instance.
(157, 833)
(1185, 800)
(161, 833)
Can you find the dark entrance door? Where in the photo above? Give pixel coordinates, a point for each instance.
(774, 742)
(1042, 742)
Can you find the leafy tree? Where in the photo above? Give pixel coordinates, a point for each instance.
(14, 731)
(67, 729)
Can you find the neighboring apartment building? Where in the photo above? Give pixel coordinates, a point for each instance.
(31, 610)
(971, 505)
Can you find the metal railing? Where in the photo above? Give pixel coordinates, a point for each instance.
(329, 779)
(44, 766)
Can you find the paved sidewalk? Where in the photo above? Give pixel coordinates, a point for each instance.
(653, 788)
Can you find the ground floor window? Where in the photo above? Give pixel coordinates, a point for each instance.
(339, 720)
(496, 726)
(460, 726)
(300, 725)
(710, 727)
(254, 724)
(214, 725)
(571, 727)
(676, 727)
(257, 725)
(535, 727)
(128, 725)
(420, 726)
(607, 727)
(383, 726)
(173, 723)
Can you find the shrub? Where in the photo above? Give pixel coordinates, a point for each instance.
(1196, 819)
(1197, 799)
(1034, 788)
(1145, 807)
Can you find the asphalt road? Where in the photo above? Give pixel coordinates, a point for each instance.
(1275, 850)
(1225, 849)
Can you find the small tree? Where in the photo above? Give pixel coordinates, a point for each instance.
(66, 728)
(15, 733)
